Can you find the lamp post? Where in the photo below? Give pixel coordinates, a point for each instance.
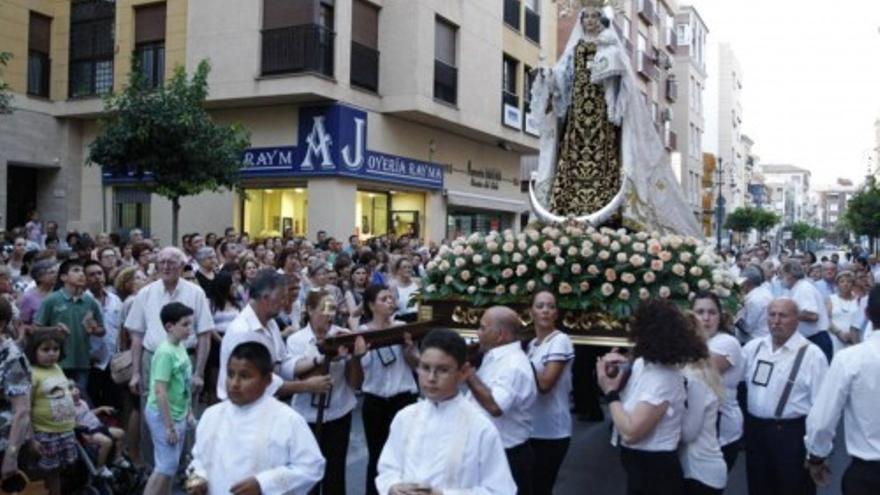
(719, 205)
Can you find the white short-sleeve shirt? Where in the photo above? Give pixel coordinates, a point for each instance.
(701, 457)
(655, 384)
(731, 425)
(304, 345)
(809, 298)
(551, 412)
(386, 372)
(143, 318)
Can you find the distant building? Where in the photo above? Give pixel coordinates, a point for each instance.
(731, 146)
(832, 201)
(789, 188)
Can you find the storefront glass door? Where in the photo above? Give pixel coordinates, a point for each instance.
(269, 212)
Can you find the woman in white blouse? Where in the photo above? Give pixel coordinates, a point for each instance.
(347, 375)
(389, 385)
(403, 286)
(647, 403)
(725, 354)
(551, 354)
(843, 307)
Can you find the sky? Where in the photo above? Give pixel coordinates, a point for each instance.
(811, 79)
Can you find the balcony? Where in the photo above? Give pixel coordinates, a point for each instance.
(305, 48)
(648, 11)
(670, 140)
(364, 67)
(671, 90)
(445, 82)
(533, 26)
(645, 66)
(671, 39)
(511, 14)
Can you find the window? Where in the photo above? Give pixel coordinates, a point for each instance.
(625, 26)
(642, 43)
(91, 47)
(511, 13)
(149, 36)
(509, 75)
(365, 46)
(269, 212)
(528, 81)
(445, 71)
(131, 209)
(533, 21)
(39, 32)
(296, 38)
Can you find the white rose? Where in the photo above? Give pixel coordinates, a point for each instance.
(482, 281)
(624, 295)
(500, 290)
(572, 251)
(521, 270)
(522, 245)
(678, 269)
(615, 246)
(507, 273)
(685, 257)
(555, 251)
(649, 278)
(492, 246)
(564, 241)
(621, 257)
(431, 266)
(496, 259)
(586, 252)
(444, 266)
(458, 250)
(514, 289)
(704, 284)
(517, 258)
(541, 265)
(465, 275)
(607, 289)
(507, 247)
(576, 269)
(530, 285)
(696, 271)
(469, 251)
(638, 247)
(448, 279)
(533, 251)
(547, 278)
(477, 259)
(604, 255)
(534, 235)
(460, 262)
(560, 261)
(644, 294)
(664, 292)
(431, 289)
(471, 289)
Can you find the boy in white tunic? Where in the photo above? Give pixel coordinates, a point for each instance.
(253, 443)
(443, 444)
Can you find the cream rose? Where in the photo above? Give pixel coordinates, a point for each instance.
(547, 278)
(604, 255)
(644, 294)
(507, 273)
(500, 290)
(607, 289)
(649, 278)
(460, 262)
(533, 251)
(541, 265)
(610, 275)
(696, 271)
(678, 269)
(482, 281)
(576, 269)
(477, 259)
(623, 295)
(521, 270)
(465, 275)
(496, 259)
(628, 278)
(565, 288)
(664, 292)
(471, 289)
(517, 257)
(530, 285)
(585, 286)
(593, 270)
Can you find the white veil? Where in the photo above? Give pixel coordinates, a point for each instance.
(654, 200)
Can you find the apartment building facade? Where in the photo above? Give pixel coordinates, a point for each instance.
(832, 200)
(789, 190)
(731, 146)
(689, 122)
(366, 116)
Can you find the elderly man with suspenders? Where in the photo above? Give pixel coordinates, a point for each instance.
(783, 374)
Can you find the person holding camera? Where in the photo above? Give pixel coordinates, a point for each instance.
(647, 399)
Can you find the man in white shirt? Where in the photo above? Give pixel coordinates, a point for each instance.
(252, 443)
(813, 311)
(828, 284)
(783, 374)
(102, 390)
(752, 320)
(443, 443)
(851, 387)
(505, 389)
(256, 323)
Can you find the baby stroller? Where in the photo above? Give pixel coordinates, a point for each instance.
(83, 479)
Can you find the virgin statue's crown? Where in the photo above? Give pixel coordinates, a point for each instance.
(601, 4)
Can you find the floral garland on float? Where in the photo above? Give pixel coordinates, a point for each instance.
(598, 275)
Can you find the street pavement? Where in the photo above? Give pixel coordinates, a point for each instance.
(592, 465)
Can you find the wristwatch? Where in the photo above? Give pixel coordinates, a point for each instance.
(814, 460)
(612, 396)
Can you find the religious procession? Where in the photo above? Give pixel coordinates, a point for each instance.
(379, 323)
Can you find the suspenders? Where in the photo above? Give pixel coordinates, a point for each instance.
(791, 378)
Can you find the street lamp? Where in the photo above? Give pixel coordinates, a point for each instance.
(719, 205)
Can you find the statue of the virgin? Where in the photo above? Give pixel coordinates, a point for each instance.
(601, 155)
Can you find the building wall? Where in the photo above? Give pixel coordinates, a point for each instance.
(730, 112)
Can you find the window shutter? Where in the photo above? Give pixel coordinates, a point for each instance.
(149, 23)
(286, 13)
(39, 33)
(444, 42)
(365, 25)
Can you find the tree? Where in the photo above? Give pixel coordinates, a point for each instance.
(5, 97)
(765, 220)
(804, 231)
(863, 213)
(166, 137)
(740, 220)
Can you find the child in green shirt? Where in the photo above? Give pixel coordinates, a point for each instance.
(169, 402)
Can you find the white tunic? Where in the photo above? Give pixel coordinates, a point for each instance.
(507, 373)
(731, 424)
(655, 384)
(450, 446)
(845, 316)
(551, 413)
(234, 443)
(762, 400)
(808, 298)
(700, 454)
(304, 345)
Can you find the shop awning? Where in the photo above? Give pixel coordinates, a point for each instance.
(471, 200)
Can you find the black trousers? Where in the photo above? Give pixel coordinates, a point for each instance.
(521, 460)
(694, 487)
(823, 340)
(377, 413)
(334, 447)
(102, 390)
(730, 453)
(652, 473)
(775, 456)
(861, 478)
(549, 455)
(585, 389)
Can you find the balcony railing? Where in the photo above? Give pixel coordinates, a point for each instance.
(511, 13)
(445, 82)
(305, 48)
(364, 67)
(672, 90)
(648, 11)
(533, 26)
(645, 65)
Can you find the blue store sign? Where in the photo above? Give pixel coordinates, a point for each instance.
(333, 142)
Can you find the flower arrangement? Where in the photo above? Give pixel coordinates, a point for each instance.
(588, 269)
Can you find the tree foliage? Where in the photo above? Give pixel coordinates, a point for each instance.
(740, 220)
(166, 137)
(802, 231)
(863, 212)
(5, 97)
(765, 220)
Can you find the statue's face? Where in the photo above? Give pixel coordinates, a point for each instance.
(592, 20)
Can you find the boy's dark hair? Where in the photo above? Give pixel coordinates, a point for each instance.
(447, 341)
(37, 339)
(67, 265)
(174, 312)
(256, 354)
(89, 263)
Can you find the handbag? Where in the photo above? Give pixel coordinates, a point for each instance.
(121, 367)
